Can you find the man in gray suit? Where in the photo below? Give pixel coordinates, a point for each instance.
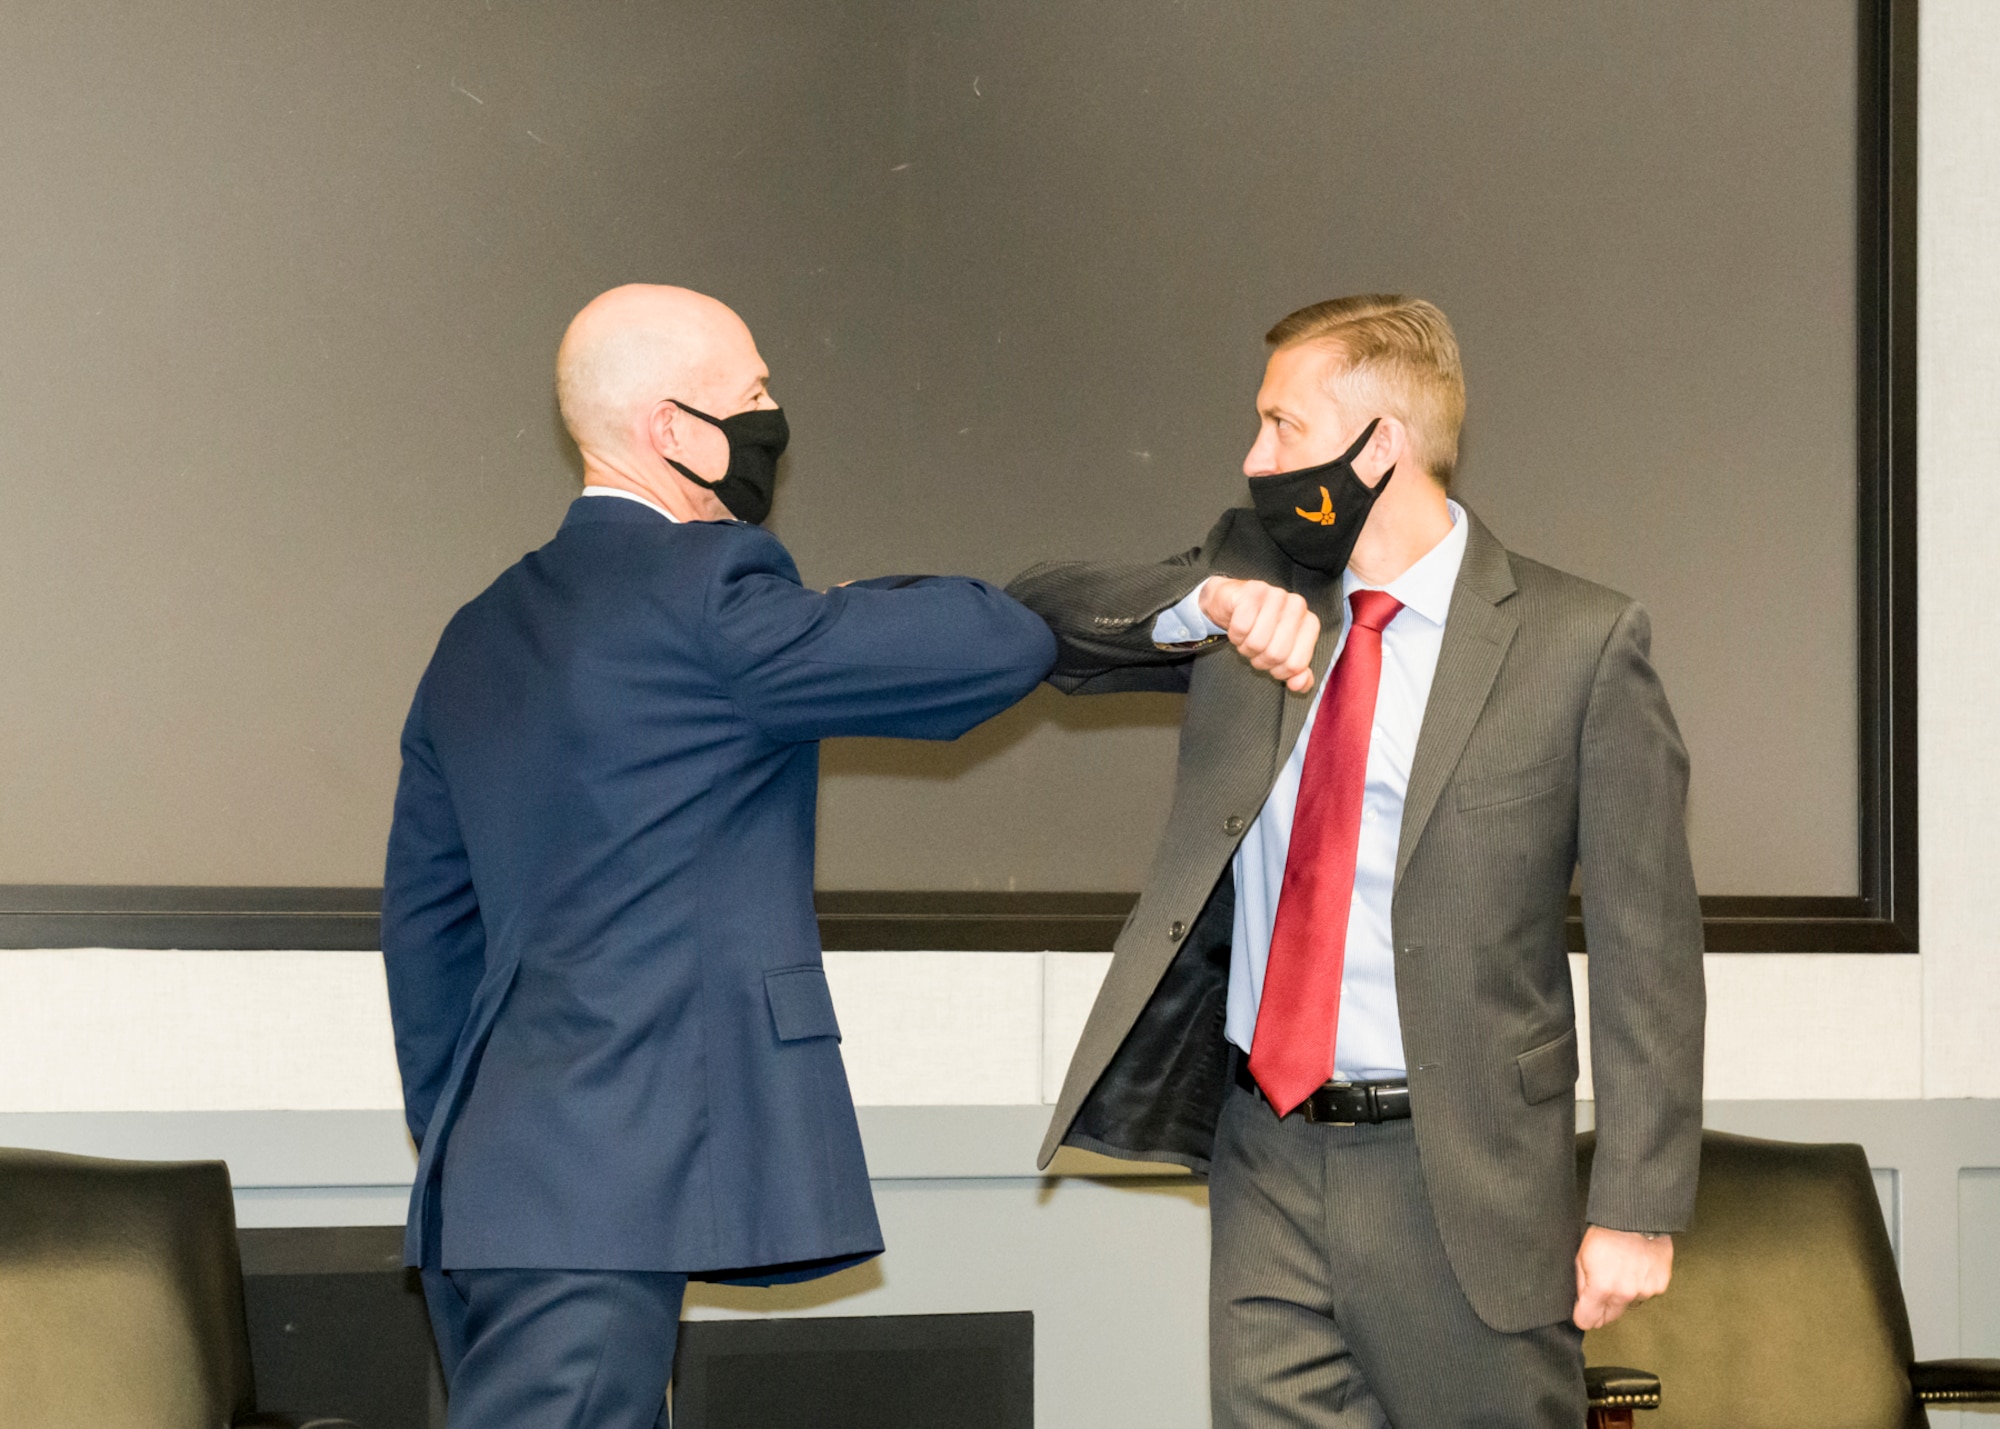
(1344, 993)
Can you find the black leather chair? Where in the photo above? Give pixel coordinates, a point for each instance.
(121, 1297)
(1785, 1308)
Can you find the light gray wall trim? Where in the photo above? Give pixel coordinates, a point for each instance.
(288, 1207)
(950, 1142)
(263, 1148)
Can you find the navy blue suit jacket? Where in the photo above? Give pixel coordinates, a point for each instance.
(617, 1047)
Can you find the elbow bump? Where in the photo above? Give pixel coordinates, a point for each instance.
(1031, 645)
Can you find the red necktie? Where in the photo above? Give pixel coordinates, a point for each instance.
(1291, 1054)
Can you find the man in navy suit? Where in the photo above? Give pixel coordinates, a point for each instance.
(619, 1056)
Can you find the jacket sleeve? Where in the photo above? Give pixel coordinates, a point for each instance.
(433, 941)
(1102, 614)
(909, 657)
(1642, 925)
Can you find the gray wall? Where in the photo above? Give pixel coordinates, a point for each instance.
(285, 281)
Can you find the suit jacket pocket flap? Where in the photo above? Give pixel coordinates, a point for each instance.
(801, 1005)
(1516, 784)
(1550, 1069)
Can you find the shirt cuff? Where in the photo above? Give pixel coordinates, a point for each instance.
(1184, 623)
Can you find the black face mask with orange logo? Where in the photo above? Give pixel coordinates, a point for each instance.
(1316, 514)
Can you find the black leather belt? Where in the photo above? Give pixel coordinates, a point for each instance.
(1342, 1103)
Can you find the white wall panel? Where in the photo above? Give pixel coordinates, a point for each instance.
(1805, 1027)
(1579, 981)
(927, 1029)
(1814, 1027)
(1958, 539)
(94, 1030)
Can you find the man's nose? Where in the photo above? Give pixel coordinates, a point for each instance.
(1262, 458)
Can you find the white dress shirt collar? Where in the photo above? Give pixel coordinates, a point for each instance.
(631, 496)
(1425, 587)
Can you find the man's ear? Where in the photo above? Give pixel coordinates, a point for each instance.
(663, 429)
(1388, 447)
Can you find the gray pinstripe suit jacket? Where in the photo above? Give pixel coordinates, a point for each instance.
(1547, 743)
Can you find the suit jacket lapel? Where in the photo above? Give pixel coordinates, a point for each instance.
(1477, 633)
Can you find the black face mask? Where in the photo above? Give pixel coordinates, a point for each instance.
(1316, 515)
(756, 440)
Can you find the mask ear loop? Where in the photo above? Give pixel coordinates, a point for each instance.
(1355, 451)
(716, 423)
(1359, 442)
(700, 481)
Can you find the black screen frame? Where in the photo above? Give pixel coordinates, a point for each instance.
(1881, 918)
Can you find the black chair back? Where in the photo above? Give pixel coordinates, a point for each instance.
(1785, 1310)
(121, 1295)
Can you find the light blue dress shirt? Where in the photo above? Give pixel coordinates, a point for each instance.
(1369, 1046)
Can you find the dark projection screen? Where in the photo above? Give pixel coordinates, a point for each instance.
(285, 284)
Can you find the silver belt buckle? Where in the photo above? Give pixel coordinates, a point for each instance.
(1341, 1086)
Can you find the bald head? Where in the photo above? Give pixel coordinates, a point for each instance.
(640, 345)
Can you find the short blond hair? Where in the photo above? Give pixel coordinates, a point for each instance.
(1396, 355)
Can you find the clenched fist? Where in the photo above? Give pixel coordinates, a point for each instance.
(1617, 1269)
(1273, 628)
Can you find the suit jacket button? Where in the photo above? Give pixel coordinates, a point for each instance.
(1177, 931)
(1234, 824)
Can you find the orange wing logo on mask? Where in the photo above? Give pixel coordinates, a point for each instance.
(1324, 516)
